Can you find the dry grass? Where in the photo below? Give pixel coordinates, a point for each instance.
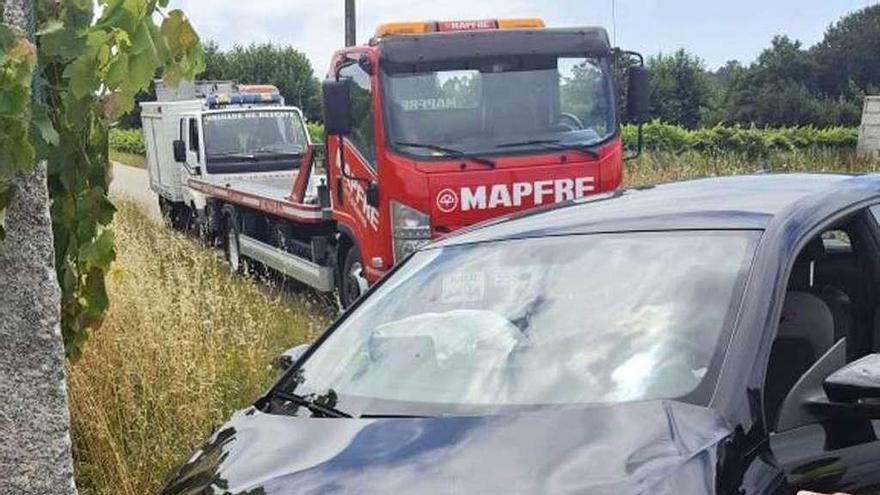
(183, 345)
(656, 167)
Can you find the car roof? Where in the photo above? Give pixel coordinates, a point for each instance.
(748, 202)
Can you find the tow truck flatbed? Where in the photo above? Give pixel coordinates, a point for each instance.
(285, 194)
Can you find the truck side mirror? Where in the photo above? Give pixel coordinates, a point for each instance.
(373, 195)
(337, 106)
(638, 101)
(179, 151)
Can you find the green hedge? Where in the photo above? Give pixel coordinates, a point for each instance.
(316, 132)
(747, 141)
(127, 141)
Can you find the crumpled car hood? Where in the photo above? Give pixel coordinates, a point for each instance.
(648, 447)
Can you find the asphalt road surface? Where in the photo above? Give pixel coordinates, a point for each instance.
(133, 184)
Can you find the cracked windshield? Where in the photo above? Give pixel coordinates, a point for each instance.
(585, 319)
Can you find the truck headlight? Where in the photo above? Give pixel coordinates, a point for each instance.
(410, 229)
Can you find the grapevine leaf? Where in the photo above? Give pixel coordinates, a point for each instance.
(99, 253)
(43, 124)
(50, 27)
(83, 76)
(117, 73)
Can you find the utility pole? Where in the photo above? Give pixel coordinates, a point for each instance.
(350, 24)
(35, 453)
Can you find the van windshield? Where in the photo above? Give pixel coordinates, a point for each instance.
(499, 105)
(253, 140)
(525, 323)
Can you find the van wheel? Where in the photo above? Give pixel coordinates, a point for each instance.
(233, 252)
(353, 282)
(176, 215)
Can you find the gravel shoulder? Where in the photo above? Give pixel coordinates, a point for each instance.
(134, 184)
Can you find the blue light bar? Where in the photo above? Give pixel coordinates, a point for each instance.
(216, 100)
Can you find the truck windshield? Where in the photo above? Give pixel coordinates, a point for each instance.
(501, 105)
(255, 140)
(576, 320)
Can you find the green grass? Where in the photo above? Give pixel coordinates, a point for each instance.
(183, 345)
(129, 159)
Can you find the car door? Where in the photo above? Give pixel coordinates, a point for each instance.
(842, 454)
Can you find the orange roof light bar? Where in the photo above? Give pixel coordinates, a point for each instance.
(526, 23)
(397, 28)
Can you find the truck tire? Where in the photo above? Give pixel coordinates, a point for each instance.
(233, 250)
(352, 282)
(178, 216)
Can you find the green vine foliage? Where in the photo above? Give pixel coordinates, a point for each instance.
(88, 69)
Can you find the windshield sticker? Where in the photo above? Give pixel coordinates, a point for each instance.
(422, 104)
(463, 287)
(247, 115)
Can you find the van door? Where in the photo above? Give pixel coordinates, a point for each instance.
(190, 135)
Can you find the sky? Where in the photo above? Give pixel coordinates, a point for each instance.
(715, 30)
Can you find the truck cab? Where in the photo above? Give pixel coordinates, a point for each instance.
(215, 131)
(434, 126)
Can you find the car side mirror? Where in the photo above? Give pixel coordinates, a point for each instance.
(290, 357)
(337, 106)
(834, 390)
(856, 382)
(179, 148)
(638, 96)
(373, 195)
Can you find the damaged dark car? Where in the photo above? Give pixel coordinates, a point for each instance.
(719, 336)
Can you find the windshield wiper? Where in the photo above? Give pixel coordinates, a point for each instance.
(232, 154)
(323, 405)
(451, 152)
(553, 144)
(274, 150)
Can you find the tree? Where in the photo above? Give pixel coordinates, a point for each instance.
(775, 90)
(285, 67)
(848, 57)
(680, 88)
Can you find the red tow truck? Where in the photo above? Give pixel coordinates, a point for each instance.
(431, 126)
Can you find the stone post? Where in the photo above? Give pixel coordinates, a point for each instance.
(869, 132)
(35, 455)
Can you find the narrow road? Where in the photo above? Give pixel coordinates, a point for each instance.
(134, 184)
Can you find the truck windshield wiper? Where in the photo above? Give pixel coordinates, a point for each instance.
(451, 152)
(232, 154)
(553, 144)
(322, 405)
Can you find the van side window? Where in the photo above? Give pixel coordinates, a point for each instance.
(362, 112)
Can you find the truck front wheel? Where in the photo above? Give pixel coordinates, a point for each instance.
(353, 283)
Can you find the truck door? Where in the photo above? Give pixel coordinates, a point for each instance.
(189, 134)
(357, 154)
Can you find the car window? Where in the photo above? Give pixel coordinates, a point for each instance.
(829, 317)
(582, 319)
